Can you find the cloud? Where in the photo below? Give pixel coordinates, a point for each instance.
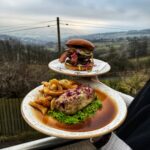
(93, 9)
(134, 13)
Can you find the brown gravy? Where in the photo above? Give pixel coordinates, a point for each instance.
(102, 117)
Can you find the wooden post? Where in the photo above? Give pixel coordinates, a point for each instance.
(58, 35)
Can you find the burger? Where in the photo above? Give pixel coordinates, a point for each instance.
(78, 55)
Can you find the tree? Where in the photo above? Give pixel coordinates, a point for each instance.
(144, 46)
(118, 60)
(138, 46)
(133, 47)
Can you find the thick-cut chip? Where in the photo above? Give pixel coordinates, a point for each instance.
(53, 86)
(48, 97)
(54, 81)
(43, 101)
(41, 91)
(46, 90)
(52, 93)
(45, 83)
(55, 93)
(60, 88)
(41, 108)
(65, 83)
(53, 104)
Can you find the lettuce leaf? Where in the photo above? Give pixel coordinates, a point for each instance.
(80, 116)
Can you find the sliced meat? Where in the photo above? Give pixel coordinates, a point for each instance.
(75, 99)
(63, 57)
(74, 58)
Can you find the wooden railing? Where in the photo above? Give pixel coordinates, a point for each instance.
(11, 121)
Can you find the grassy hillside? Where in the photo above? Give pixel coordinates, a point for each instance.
(140, 59)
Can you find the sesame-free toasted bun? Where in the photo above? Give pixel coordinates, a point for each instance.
(81, 43)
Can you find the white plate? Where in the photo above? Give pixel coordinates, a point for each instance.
(100, 67)
(27, 113)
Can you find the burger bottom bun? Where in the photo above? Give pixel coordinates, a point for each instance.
(79, 68)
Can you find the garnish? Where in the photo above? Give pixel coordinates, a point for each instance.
(80, 116)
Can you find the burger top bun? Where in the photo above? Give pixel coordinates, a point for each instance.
(80, 43)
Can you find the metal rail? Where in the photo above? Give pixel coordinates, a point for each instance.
(49, 142)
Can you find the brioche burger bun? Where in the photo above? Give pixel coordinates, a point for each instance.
(80, 43)
(79, 55)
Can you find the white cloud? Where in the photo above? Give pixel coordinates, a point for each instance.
(132, 13)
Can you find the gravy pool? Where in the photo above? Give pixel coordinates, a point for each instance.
(101, 118)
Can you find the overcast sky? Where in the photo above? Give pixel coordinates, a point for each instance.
(109, 14)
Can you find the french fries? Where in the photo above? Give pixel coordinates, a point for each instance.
(53, 87)
(50, 92)
(60, 87)
(45, 101)
(53, 104)
(65, 83)
(74, 86)
(41, 108)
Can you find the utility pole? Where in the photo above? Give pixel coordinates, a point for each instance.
(58, 35)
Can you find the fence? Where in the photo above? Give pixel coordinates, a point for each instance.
(11, 121)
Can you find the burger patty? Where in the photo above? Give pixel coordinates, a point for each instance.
(75, 99)
(79, 62)
(75, 58)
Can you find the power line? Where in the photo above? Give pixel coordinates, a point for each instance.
(80, 22)
(28, 29)
(27, 24)
(21, 26)
(91, 26)
(87, 23)
(76, 31)
(16, 28)
(13, 29)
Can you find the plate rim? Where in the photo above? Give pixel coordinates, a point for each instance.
(80, 136)
(80, 75)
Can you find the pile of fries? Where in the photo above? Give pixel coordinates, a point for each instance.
(50, 92)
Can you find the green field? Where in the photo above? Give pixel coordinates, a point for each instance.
(105, 46)
(140, 59)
